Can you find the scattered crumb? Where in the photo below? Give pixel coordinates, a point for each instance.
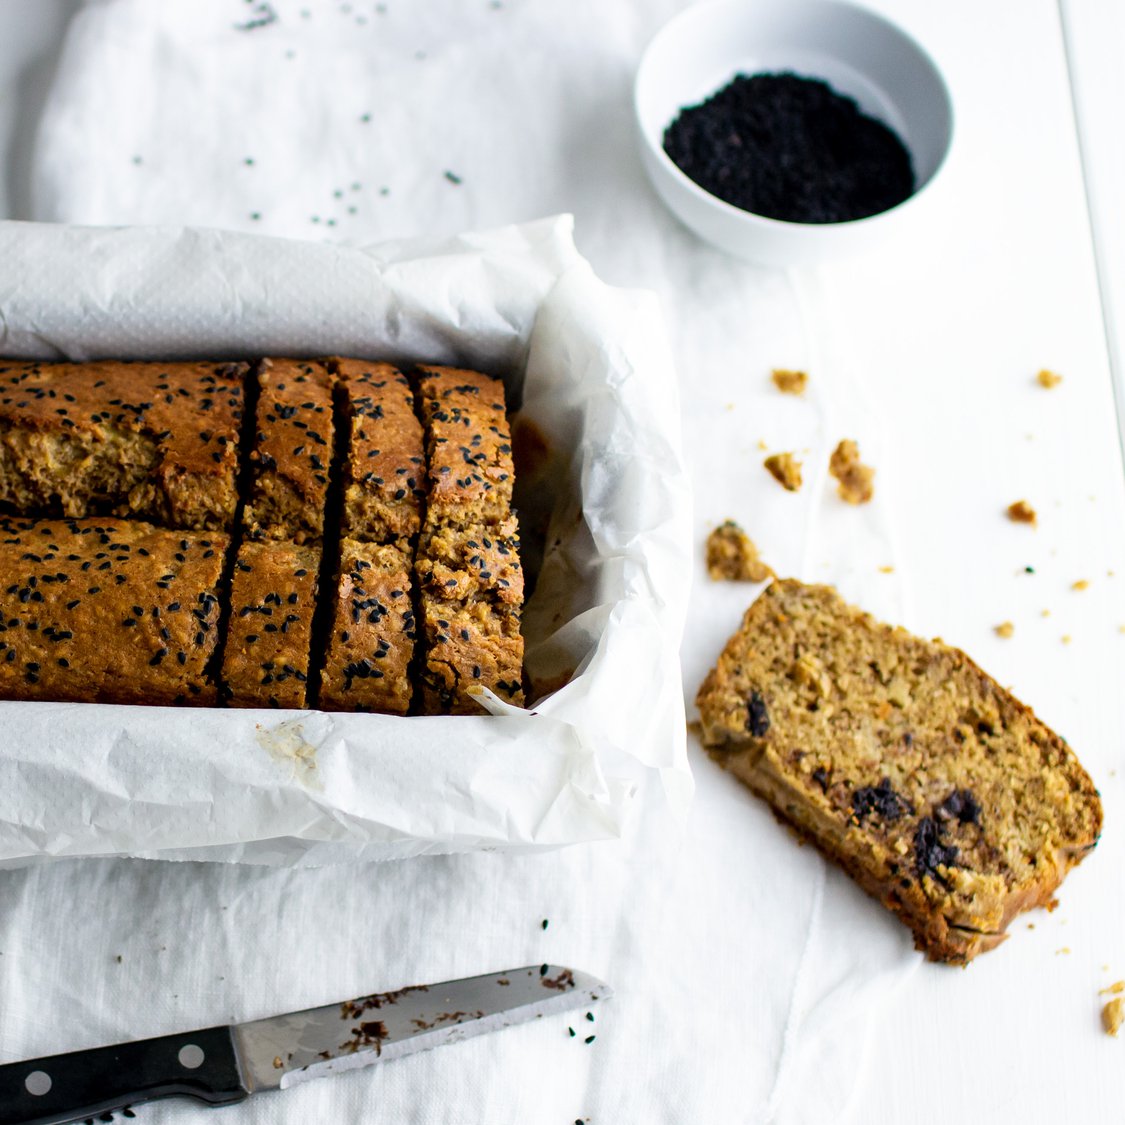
(1113, 1015)
(1066, 638)
(1121, 628)
(762, 445)
(1114, 989)
(1005, 629)
(1022, 512)
(732, 556)
(729, 406)
(118, 958)
(277, 1063)
(1053, 905)
(789, 382)
(1048, 379)
(784, 469)
(1031, 925)
(856, 479)
(1045, 613)
(1063, 949)
(886, 570)
(1081, 584)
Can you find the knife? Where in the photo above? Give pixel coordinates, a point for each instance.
(224, 1065)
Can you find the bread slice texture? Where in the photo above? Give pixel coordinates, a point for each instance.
(936, 789)
(158, 441)
(469, 447)
(292, 451)
(269, 634)
(372, 634)
(108, 611)
(385, 465)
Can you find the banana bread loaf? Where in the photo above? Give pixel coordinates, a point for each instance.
(108, 611)
(153, 440)
(269, 635)
(938, 791)
(292, 451)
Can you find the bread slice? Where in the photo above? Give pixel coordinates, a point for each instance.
(154, 440)
(469, 447)
(269, 634)
(293, 449)
(937, 790)
(108, 611)
(371, 642)
(385, 467)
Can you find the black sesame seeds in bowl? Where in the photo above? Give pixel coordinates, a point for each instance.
(790, 131)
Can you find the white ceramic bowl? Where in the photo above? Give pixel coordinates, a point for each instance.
(856, 51)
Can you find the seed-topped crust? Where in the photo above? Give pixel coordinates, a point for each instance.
(475, 562)
(385, 467)
(469, 644)
(154, 440)
(371, 642)
(108, 611)
(273, 597)
(469, 447)
(292, 451)
(937, 790)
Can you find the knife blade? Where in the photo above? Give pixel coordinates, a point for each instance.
(225, 1065)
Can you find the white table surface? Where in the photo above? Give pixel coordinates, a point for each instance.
(989, 294)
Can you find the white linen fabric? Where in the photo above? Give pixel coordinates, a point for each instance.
(746, 971)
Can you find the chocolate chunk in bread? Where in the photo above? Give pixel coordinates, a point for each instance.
(152, 440)
(385, 468)
(266, 651)
(371, 642)
(103, 610)
(292, 454)
(469, 447)
(938, 791)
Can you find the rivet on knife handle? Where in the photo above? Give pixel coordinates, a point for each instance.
(82, 1084)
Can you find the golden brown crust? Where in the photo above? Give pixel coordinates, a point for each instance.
(455, 564)
(469, 645)
(273, 597)
(292, 451)
(385, 467)
(154, 440)
(937, 790)
(371, 642)
(108, 611)
(469, 446)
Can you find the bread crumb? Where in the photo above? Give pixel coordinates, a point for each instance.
(1031, 925)
(1045, 613)
(789, 382)
(732, 556)
(1081, 584)
(1113, 1015)
(1066, 638)
(1048, 379)
(1005, 629)
(1063, 949)
(1114, 989)
(784, 469)
(1022, 512)
(856, 480)
(886, 570)
(729, 406)
(762, 445)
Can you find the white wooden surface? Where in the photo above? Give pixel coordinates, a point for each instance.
(947, 335)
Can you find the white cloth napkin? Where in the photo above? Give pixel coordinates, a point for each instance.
(746, 970)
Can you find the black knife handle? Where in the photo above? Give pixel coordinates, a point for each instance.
(72, 1087)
